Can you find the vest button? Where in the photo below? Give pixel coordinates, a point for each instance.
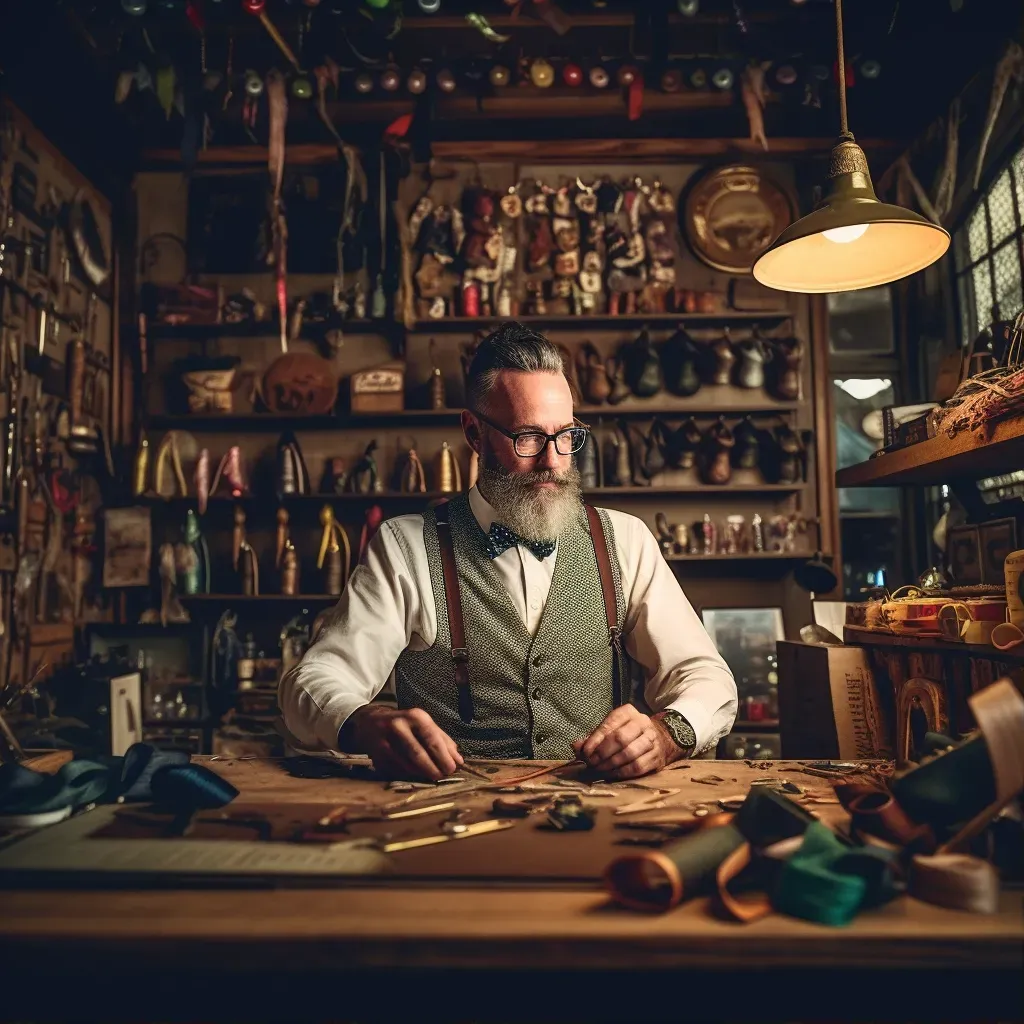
(540, 737)
(538, 693)
(537, 660)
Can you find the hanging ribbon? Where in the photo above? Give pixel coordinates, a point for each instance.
(483, 26)
(278, 99)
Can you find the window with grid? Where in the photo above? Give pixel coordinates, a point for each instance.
(989, 254)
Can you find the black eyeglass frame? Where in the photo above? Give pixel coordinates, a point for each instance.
(514, 436)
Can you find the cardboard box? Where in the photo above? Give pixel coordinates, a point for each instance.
(829, 704)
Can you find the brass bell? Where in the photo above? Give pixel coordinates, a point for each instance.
(542, 74)
(599, 77)
(430, 6)
(446, 80)
(302, 89)
(671, 81)
(253, 84)
(416, 82)
(499, 76)
(688, 8)
(626, 76)
(363, 83)
(136, 8)
(390, 79)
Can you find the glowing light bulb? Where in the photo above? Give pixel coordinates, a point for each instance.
(850, 233)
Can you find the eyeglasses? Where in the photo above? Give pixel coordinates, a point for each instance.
(529, 444)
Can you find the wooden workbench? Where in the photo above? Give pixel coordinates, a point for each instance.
(489, 952)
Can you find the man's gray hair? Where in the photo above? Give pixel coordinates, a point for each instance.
(511, 347)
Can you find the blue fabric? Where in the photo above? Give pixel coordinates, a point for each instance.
(144, 773)
(501, 538)
(23, 791)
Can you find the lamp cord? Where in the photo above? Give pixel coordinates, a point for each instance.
(844, 131)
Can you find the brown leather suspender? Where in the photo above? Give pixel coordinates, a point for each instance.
(457, 622)
(611, 607)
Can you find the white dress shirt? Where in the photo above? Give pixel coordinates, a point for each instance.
(388, 606)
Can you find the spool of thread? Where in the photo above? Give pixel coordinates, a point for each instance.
(955, 880)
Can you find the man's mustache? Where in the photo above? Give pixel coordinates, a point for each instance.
(534, 476)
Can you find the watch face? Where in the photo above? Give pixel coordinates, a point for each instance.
(680, 730)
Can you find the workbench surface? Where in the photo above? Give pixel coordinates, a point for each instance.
(390, 948)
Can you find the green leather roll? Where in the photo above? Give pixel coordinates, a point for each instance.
(661, 879)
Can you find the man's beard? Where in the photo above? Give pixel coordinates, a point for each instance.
(534, 514)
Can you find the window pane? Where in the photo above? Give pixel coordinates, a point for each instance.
(977, 233)
(861, 321)
(982, 294)
(965, 293)
(1006, 262)
(1018, 181)
(1000, 209)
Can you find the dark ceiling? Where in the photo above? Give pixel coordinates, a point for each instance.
(62, 60)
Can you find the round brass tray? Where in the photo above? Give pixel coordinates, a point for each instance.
(732, 215)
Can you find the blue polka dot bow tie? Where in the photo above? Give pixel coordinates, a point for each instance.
(501, 538)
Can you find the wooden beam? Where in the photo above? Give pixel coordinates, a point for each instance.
(518, 149)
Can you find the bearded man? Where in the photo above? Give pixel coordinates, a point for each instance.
(514, 621)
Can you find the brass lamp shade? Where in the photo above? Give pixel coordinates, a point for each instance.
(871, 243)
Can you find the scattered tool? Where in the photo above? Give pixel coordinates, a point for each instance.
(456, 830)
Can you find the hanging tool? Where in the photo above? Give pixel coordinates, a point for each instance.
(258, 8)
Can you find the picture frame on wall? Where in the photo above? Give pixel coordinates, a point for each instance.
(963, 555)
(996, 540)
(746, 638)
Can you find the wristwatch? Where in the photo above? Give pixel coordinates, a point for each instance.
(679, 729)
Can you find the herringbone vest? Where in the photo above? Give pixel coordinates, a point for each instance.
(532, 696)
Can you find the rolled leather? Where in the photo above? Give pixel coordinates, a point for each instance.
(657, 880)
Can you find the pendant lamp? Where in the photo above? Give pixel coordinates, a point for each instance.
(851, 240)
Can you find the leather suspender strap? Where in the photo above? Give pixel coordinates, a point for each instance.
(456, 620)
(611, 608)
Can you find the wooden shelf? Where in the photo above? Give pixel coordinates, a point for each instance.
(631, 409)
(704, 488)
(634, 409)
(933, 645)
(942, 459)
(596, 322)
(270, 501)
(258, 598)
(755, 726)
(750, 556)
(260, 421)
(263, 329)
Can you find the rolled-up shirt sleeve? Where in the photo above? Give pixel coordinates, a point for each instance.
(682, 667)
(357, 648)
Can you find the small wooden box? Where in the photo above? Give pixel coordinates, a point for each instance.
(380, 389)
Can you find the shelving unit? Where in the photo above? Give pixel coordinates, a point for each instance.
(466, 324)
(940, 459)
(934, 645)
(264, 421)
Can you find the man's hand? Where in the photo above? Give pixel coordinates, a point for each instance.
(628, 744)
(402, 744)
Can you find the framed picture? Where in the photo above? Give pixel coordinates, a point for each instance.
(127, 547)
(746, 638)
(997, 539)
(963, 552)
